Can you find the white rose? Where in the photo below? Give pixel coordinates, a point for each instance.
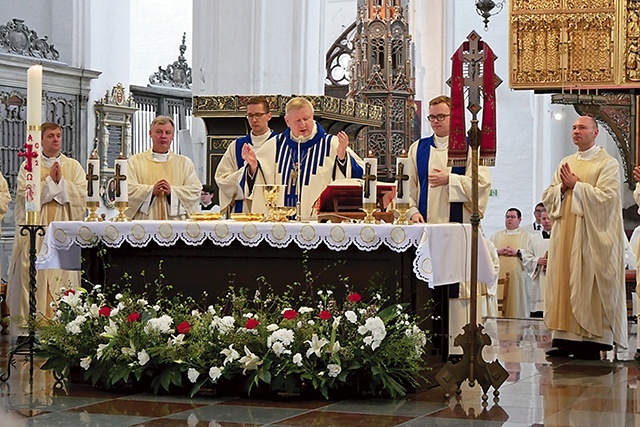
(334, 370)
(193, 375)
(215, 373)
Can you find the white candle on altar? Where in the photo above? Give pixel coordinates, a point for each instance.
(93, 178)
(34, 138)
(370, 179)
(402, 178)
(122, 171)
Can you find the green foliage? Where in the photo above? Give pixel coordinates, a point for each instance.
(303, 337)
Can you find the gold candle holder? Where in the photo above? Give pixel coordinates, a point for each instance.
(32, 218)
(369, 209)
(121, 207)
(92, 207)
(401, 209)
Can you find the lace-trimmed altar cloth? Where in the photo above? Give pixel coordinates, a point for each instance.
(443, 251)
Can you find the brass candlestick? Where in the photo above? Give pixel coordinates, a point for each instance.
(92, 207)
(401, 209)
(121, 207)
(369, 209)
(32, 218)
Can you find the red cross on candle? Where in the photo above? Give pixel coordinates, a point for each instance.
(30, 154)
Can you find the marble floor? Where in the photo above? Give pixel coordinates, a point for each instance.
(538, 392)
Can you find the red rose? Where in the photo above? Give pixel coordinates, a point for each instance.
(105, 311)
(69, 292)
(324, 315)
(252, 323)
(354, 297)
(289, 314)
(183, 328)
(133, 317)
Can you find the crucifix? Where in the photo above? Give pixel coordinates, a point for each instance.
(368, 177)
(30, 155)
(118, 177)
(400, 178)
(474, 57)
(90, 178)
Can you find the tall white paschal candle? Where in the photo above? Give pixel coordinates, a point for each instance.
(122, 171)
(33, 145)
(93, 178)
(370, 179)
(402, 179)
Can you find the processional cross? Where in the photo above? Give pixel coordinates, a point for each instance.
(90, 178)
(368, 177)
(30, 154)
(475, 56)
(118, 177)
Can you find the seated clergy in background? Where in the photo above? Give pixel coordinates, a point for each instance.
(322, 159)
(511, 243)
(162, 185)
(206, 199)
(534, 259)
(230, 171)
(63, 188)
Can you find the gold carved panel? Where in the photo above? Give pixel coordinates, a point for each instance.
(557, 44)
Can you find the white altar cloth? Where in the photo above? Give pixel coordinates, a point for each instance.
(443, 251)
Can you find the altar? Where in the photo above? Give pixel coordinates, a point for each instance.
(409, 261)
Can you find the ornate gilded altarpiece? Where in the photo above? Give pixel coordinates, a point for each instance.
(588, 53)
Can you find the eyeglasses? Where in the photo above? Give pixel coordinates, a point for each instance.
(438, 117)
(539, 210)
(256, 115)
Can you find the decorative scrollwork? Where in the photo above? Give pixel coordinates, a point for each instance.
(338, 57)
(17, 38)
(177, 74)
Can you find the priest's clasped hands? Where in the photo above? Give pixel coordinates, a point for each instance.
(161, 188)
(55, 172)
(568, 178)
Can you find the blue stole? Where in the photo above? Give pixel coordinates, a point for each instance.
(422, 161)
(313, 155)
(240, 142)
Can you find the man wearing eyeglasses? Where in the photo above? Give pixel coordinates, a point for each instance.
(536, 227)
(439, 193)
(229, 174)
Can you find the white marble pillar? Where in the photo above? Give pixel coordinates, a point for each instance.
(258, 47)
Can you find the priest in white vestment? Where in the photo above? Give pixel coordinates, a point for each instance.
(63, 189)
(162, 185)
(585, 302)
(534, 259)
(5, 198)
(441, 194)
(634, 246)
(303, 156)
(511, 243)
(230, 171)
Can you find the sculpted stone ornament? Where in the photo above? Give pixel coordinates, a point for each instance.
(17, 38)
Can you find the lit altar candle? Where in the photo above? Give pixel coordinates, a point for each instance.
(122, 187)
(33, 147)
(402, 178)
(370, 179)
(93, 178)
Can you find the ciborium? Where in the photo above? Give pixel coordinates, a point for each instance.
(272, 196)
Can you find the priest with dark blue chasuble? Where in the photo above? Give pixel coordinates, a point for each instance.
(303, 160)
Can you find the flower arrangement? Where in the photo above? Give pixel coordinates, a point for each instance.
(281, 342)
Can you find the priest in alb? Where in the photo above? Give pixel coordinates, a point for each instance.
(63, 187)
(162, 185)
(303, 155)
(230, 171)
(586, 304)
